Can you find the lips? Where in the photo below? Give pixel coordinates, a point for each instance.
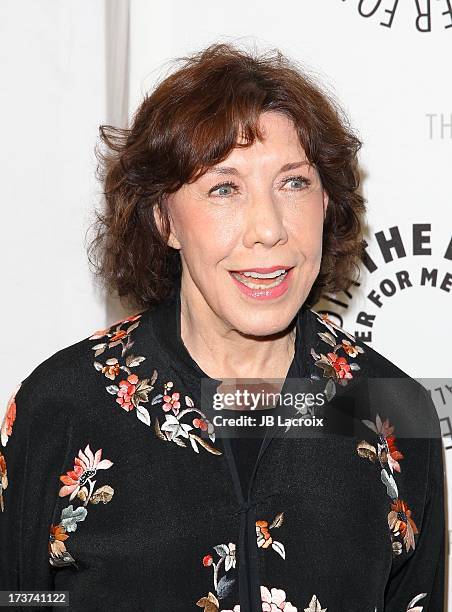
(263, 270)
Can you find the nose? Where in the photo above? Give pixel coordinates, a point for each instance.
(264, 221)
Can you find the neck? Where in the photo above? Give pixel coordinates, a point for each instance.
(223, 352)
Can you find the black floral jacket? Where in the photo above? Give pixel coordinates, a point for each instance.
(117, 487)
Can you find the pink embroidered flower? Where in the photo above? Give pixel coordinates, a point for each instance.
(340, 366)
(126, 391)
(85, 467)
(275, 600)
(171, 402)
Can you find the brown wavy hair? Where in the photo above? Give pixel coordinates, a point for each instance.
(192, 120)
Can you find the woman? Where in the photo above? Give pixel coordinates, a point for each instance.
(231, 203)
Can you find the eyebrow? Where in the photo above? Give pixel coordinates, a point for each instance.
(230, 170)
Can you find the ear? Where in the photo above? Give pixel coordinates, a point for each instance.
(172, 238)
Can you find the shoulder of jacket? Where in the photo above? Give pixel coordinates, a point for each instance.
(66, 373)
(393, 391)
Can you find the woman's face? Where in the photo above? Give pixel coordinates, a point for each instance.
(252, 211)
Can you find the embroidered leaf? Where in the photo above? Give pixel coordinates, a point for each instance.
(206, 445)
(132, 327)
(178, 441)
(209, 603)
(158, 432)
(98, 347)
(113, 389)
(314, 354)
(279, 548)
(354, 366)
(370, 424)
(112, 344)
(330, 390)
(389, 482)
(99, 352)
(143, 415)
(194, 445)
(278, 520)
(70, 517)
(132, 361)
(189, 401)
(62, 561)
(103, 494)
(327, 337)
(414, 601)
(366, 450)
(156, 399)
(221, 549)
(224, 587)
(98, 366)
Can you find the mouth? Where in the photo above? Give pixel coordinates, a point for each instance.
(262, 278)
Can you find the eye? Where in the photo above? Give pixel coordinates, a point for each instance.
(297, 179)
(222, 186)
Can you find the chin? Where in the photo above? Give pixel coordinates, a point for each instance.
(264, 326)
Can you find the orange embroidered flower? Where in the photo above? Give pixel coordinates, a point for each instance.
(394, 452)
(351, 349)
(118, 334)
(57, 536)
(10, 417)
(111, 368)
(264, 538)
(400, 521)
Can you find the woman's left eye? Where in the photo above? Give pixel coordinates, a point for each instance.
(297, 179)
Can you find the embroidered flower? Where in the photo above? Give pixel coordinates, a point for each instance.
(85, 468)
(171, 402)
(119, 333)
(111, 368)
(336, 367)
(351, 349)
(399, 517)
(387, 439)
(264, 537)
(399, 520)
(275, 599)
(3, 480)
(56, 540)
(132, 391)
(10, 417)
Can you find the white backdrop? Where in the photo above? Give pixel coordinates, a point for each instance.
(70, 66)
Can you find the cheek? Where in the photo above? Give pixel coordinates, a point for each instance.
(206, 239)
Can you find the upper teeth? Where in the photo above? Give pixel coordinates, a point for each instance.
(266, 275)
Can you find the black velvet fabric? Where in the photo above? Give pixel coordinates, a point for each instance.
(100, 500)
